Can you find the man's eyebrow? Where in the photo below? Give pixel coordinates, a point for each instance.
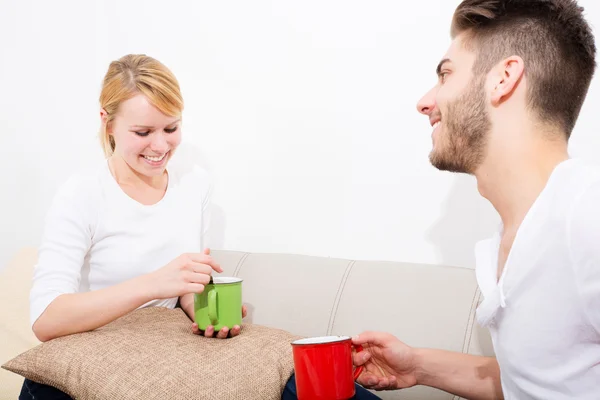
(438, 70)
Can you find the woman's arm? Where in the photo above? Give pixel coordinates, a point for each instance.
(80, 312)
(187, 304)
(57, 307)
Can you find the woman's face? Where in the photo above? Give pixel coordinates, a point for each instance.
(145, 138)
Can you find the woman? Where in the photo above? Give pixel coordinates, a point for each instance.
(131, 232)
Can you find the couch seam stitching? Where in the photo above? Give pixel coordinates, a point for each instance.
(471, 322)
(238, 267)
(338, 296)
(469, 330)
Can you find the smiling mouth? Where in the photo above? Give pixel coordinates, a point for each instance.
(154, 158)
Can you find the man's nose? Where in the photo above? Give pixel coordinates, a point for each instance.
(427, 103)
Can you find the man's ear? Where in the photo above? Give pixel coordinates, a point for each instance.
(505, 78)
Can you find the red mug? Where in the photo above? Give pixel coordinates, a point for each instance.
(324, 368)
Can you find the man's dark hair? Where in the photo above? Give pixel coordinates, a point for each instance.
(553, 39)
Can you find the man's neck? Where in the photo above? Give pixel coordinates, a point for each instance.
(513, 177)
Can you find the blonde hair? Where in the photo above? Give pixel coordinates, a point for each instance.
(131, 75)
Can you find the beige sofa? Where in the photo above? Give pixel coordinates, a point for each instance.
(424, 305)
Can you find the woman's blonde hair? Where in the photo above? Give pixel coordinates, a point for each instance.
(137, 74)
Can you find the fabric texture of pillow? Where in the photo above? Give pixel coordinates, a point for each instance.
(151, 353)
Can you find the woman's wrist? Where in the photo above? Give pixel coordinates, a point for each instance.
(143, 286)
(187, 304)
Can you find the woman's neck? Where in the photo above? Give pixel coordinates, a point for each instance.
(144, 189)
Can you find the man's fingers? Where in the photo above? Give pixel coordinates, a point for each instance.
(368, 380)
(375, 338)
(384, 383)
(361, 358)
(363, 338)
(387, 383)
(393, 382)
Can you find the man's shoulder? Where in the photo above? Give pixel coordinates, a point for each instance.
(584, 189)
(583, 215)
(573, 181)
(584, 172)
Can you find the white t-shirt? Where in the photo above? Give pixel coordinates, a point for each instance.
(544, 312)
(97, 236)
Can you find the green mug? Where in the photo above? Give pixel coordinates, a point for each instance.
(220, 304)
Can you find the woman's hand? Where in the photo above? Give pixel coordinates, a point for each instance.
(188, 273)
(222, 334)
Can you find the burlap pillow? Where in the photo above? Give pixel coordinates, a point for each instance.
(152, 353)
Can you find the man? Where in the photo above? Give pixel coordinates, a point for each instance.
(509, 92)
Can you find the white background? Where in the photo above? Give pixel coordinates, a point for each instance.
(303, 111)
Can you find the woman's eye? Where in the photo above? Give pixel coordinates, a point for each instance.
(144, 133)
(171, 130)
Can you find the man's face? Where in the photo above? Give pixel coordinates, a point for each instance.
(456, 108)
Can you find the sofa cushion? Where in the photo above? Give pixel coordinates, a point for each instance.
(423, 305)
(275, 284)
(151, 353)
(16, 335)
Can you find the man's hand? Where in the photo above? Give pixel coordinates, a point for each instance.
(388, 363)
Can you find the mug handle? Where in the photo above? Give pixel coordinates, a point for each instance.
(358, 370)
(212, 307)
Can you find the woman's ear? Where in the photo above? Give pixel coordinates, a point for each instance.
(104, 119)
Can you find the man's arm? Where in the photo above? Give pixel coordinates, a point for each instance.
(391, 364)
(465, 375)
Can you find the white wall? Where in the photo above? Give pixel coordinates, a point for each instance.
(304, 112)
